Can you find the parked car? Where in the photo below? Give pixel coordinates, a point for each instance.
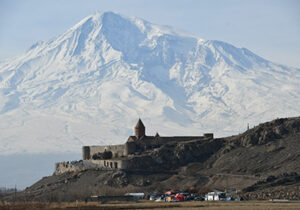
(199, 199)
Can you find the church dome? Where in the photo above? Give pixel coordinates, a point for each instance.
(139, 124)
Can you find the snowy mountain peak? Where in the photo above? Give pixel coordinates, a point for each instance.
(90, 84)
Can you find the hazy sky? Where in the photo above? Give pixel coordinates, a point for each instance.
(269, 28)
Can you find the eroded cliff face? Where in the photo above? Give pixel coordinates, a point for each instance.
(271, 131)
(174, 155)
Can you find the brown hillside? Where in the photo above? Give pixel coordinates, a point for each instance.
(261, 163)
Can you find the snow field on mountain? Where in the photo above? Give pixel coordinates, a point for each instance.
(89, 85)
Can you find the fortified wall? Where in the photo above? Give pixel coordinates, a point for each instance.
(64, 167)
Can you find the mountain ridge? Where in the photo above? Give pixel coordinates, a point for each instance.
(90, 84)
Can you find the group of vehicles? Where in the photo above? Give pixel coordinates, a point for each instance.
(171, 196)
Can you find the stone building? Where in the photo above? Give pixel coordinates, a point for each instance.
(123, 156)
(135, 144)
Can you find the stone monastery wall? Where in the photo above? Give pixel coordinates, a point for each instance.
(121, 153)
(89, 151)
(63, 167)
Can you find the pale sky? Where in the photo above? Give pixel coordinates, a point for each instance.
(269, 28)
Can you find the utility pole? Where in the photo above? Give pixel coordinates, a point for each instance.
(15, 194)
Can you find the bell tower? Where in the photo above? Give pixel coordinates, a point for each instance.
(139, 129)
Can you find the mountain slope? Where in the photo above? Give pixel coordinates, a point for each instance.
(90, 84)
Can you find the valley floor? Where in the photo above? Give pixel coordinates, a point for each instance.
(262, 205)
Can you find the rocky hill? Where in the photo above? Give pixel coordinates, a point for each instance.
(261, 163)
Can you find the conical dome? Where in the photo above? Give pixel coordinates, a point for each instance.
(139, 124)
(139, 129)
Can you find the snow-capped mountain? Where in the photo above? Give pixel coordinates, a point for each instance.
(90, 85)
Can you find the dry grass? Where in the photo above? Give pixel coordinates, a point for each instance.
(153, 205)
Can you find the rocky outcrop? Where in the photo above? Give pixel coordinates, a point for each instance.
(173, 155)
(270, 131)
